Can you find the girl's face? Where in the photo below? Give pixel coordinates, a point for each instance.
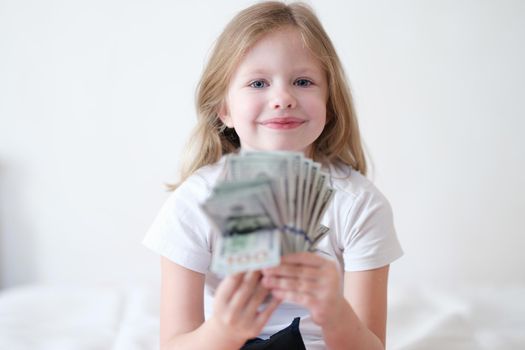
(277, 96)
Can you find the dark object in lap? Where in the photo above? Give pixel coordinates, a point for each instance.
(288, 338)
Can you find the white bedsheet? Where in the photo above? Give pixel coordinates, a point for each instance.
(60, 318)
(459, 318)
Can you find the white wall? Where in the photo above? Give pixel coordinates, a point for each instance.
(96, 100)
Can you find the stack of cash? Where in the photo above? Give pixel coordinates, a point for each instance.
(270, 204)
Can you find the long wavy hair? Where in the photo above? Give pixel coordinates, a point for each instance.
(340, 140)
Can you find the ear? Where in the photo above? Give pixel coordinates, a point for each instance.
(224, 115)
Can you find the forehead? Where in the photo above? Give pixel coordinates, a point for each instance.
(283, 48)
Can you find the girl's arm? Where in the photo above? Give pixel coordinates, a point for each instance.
(236, 316)
(181, 301)
(361, 323)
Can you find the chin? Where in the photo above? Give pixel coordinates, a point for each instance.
(277, 145)
(287, 147)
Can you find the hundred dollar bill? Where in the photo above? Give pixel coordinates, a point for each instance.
(312, 241)
(250, 237)
(260, 187)
(318, 185)
(320, 207)
(284, 165)
(303, 194)
(277, 166)
(295, 179)
(265, 167)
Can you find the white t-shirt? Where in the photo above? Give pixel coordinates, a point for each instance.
(361, 236)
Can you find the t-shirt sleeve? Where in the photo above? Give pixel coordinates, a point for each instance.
(371, 241)
(179, 233)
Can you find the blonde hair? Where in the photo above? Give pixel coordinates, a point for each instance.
(339, 142)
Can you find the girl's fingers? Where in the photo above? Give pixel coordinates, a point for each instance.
(259, 295)
(306, 265)
(294, 270)
(264, 315)
(256, 300)
(304, 258)
(229, 285)
(292, 284)
(305, 299)
(245, 289)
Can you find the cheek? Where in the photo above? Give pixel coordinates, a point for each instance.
(317, 107)
(248, 107)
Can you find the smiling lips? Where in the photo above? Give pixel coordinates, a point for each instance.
(283, 123)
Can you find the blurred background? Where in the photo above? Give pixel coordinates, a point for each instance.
(97, 101)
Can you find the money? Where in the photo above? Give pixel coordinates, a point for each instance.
(270, 205)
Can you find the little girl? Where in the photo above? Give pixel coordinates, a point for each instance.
(274, 82)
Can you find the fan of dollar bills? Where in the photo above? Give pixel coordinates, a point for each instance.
(270, 204)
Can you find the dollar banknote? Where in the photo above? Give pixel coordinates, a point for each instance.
(271, 204)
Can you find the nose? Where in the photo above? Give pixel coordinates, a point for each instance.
(282, 98)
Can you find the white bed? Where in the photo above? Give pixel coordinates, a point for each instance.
(106, 318)
(457, 318)
(76, 318)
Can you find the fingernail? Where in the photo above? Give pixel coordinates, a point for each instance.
(264, 281)
(247, 276)
(275, 294)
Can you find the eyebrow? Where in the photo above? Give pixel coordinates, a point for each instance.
(308, 71)
(295, 71)
(257, 71)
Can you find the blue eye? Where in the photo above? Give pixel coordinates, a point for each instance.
(258, 84)
(303, 82)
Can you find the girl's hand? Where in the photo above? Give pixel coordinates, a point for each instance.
(235, 311)
(308, 280)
